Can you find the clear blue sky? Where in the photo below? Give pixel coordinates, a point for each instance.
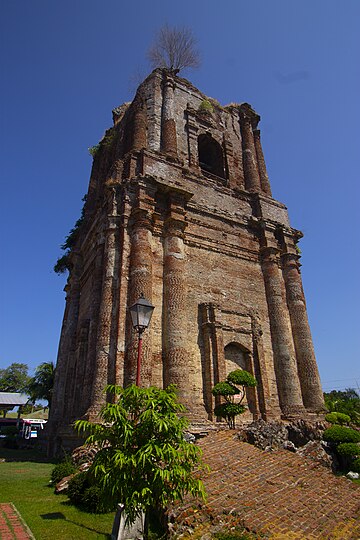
(65, 65)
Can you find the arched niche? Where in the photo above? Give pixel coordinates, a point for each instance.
(211, 156)
(236, 357)
(239, 357)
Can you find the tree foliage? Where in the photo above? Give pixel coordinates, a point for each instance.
(174, 49)
(144, 460)
(41, 385)
(235, 385)
(346, 402)
(14, 378)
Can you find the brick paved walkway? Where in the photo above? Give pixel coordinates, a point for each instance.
(11, 525)
(278, 494)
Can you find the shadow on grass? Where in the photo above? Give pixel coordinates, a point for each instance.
(60, 515)
(24, 454)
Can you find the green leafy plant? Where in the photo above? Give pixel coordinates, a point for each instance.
(355, 466)
(65, 468)
(344, 401)
(341, 434)
(348, 449)
(105, 142)
(338, 418)
(206, 107)
(235, 385)
(93, 150)
(144, 460)
(63, 263)
(85, 494)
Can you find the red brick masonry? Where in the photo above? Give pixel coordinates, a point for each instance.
(11, 525)
(279, 495)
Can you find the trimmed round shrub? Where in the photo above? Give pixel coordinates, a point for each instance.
(355, 466)
(348, 449)
(226, 410)
(61, 470)
(341, 434)
(242, 377)
(338, 418)
(224, 389)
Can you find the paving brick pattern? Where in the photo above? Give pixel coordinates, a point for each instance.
(11, 525)
(280, 495)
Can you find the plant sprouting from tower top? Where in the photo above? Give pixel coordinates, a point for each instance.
(174, 49)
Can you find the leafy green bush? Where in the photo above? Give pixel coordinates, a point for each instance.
(348, 449)
(229, 410)
(206, 107)
(338, 418)
(224, 389)
(77, 487)
(340, 434)
(61, 470)
(241, 377)
(355, 466)
(93, 501)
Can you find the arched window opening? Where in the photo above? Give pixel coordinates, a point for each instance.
(211, 158)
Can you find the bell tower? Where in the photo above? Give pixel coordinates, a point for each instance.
(179, 208)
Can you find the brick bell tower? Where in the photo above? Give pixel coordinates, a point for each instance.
(179, 208)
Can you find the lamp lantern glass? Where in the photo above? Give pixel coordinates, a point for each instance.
(141, 313)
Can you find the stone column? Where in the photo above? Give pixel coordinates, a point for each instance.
(139, 126)
(214, 369)
(251, 172)
(140, 276)
(264, 179)
(102, 359)
(168, 128)
(283, 349)
(192, 130)
(177, 362)
(269, 405)
(308, 372)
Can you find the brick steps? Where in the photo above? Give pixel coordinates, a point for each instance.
(279, 494)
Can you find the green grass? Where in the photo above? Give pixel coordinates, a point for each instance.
(24, 481)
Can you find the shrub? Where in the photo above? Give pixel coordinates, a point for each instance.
(206, 107)
(340, 434)
(93, 501)
(355, 466)
(77, 487)
(348, 449)
(61, 470)
(229, 410)
(85, 494)
(338, 418)
(224, 389)
(241, 377)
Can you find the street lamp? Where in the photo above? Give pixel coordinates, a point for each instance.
(141, 313)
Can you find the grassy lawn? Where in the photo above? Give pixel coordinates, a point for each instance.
(24, 481)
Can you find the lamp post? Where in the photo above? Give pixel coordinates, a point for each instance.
(141, 313)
